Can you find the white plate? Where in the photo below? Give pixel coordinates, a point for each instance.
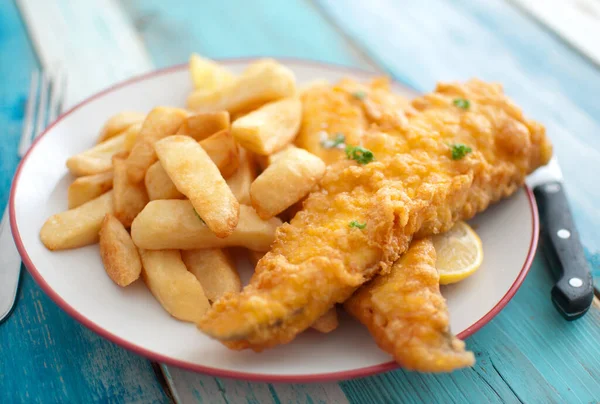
(131, 317)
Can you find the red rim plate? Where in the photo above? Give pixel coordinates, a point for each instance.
(323, 377)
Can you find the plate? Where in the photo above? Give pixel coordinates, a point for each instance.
(132, 318)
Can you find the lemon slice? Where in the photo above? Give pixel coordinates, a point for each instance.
(459, 253)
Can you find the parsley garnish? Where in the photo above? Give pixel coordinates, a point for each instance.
(459, 151)
(359, 95)
(360, 154)
(358, 225)
(198, 216)
(338, 140)
(461, 103)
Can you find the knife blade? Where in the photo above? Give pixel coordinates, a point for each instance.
(573, 291)
(10, 268)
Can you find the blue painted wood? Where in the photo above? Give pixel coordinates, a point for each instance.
(237, 28)
(45, 356)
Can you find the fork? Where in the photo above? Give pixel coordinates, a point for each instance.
(38, 112)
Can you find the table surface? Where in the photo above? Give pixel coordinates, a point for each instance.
(528, 353)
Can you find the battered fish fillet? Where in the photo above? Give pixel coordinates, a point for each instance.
(349, 108)
(404, 310)
(407, 315)
(414, 187)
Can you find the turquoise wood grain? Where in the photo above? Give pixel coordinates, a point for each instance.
(237, 28)
(420, 43)
(45, 356)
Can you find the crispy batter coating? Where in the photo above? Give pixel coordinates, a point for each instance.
(348, 108)
(413, 187)
(407, 315)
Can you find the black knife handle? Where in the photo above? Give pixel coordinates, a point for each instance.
(574, 291)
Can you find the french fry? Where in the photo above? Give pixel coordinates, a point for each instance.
(173, 224)
(255, 256)
(175, 288)
(159, 123)
(84, 189)
(262, 161)
(327, 322)
(204, 124)
(215, 270)
(76, 227)
(128, 198)
(223, 151)
(269, 128)
(197, 177)
(98, 159)
(262, 82)
(287, 180)
(131, 134)
(119, 255)
(159, 184)
(240, 181)
(118, 123)
(265, 161)
(209, 75)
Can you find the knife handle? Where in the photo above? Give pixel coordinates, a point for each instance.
(574, 291)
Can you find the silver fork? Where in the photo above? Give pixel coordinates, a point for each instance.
(38, 112)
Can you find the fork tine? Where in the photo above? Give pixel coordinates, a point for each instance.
(26, 134)
(56, 95)
(42, 111)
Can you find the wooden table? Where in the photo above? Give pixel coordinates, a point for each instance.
(528, 353)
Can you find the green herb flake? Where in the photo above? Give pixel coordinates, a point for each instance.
(459, 151)
(461, 103)
(360, 154)
(198, 216)
(359, 95)
(337, 141)
(358, 225)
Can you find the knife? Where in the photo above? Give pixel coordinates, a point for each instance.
(10, 268)
(573, 292)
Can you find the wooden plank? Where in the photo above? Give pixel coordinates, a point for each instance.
(520, 359)
(576, 21)
(551, 81)
(233, 29)
(93, 41)
(189, 389)
(45, 355)
(192, 387)
(49, 357)
(321, 393)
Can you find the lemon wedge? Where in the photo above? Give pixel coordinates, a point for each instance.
(459, 253)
